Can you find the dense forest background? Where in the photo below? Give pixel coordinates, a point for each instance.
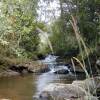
(21, 29)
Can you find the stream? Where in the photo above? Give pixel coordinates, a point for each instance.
(27, 86)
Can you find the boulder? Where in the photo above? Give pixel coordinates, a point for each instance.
(9, 73)
(58, 91)
(77, 69)
(19, 68)
(90, 84)
(35, 67)
(41, 70)
(78, 90)
(63, 71)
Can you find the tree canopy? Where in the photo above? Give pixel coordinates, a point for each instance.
(18, 27)
(87, 16)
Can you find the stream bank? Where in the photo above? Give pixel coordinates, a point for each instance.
(15, 67)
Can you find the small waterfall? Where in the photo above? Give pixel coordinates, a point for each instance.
(50, 60)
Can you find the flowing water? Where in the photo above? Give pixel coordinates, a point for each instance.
(25, 87)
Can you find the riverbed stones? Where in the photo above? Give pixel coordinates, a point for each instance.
(78, 90)
(58, 91)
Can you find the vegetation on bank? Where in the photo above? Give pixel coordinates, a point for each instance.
(18, 34)
(7, 62)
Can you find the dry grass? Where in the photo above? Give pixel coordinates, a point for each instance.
(83, 50)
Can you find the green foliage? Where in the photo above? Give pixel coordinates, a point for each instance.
(30, 43)
(87, 15)
(89, 20)
(18, 27)
(62, 41)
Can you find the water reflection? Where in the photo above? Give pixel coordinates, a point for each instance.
(50, 77)
(17, 88)
(45, 79)
(26, 87)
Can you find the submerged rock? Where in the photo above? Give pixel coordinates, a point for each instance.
(63, 71)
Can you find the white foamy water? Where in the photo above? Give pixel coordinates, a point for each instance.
(50, 77)
(50, 60)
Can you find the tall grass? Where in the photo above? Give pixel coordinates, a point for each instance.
(81, 44)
